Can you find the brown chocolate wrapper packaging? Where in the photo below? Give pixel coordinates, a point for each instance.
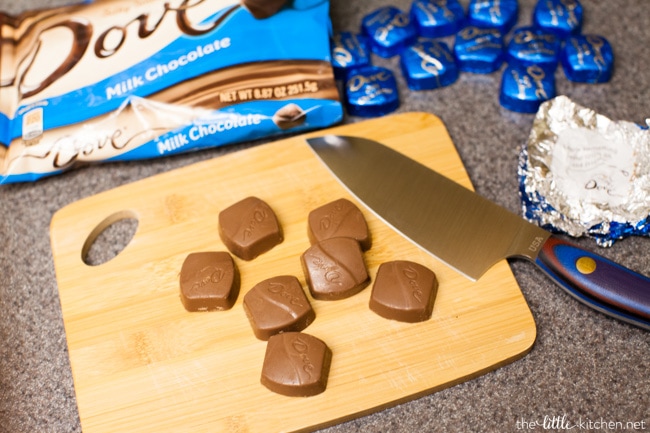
(123, 80)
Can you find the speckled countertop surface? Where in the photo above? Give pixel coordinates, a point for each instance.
(584, 366)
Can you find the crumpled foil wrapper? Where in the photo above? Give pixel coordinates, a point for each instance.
(583, 174)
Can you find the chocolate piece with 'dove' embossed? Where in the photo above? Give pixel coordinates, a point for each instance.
(404, 291)
(334, 269)
(209, 281)
(339, 218)
(296, 364)
(278, 304)
(249, 228)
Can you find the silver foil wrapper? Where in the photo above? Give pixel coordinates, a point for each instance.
(583, 174)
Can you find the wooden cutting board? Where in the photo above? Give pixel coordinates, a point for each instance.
(141, 363)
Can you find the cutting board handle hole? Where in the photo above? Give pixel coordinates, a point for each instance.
(109, 238)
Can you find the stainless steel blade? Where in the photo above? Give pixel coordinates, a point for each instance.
(458, 226)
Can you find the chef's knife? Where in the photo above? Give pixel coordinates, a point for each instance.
(470, 233)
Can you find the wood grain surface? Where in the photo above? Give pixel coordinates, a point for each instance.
(142, 363)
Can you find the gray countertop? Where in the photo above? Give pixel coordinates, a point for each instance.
(583, 366)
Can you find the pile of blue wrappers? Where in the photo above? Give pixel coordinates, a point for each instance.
(486, 38)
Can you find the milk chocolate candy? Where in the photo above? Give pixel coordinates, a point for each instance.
(261, 9)
(249, 228)
(562, 17)
(498, 14)
(209, 281)
(534, 46)
(404, 291)
(371, 91)
(437, 18)
(428, 64)
(524, 88)
(480, 51)
(334, 269)
(276, 305)
(587, 59)
(289, 116)
(389, 29)
(296, 364)
(339, 218)
(349, 51)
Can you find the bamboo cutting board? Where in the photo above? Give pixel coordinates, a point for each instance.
(141, 363)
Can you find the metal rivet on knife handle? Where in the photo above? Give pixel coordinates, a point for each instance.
(586, 265)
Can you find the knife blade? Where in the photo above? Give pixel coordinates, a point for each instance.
(470, 233)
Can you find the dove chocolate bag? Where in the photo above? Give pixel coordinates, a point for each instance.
(137, 79)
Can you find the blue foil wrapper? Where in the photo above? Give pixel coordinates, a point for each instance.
(562, 17)
(587, 59)
(499, 14)
(534, 46)
(349, 51)
(479, 50)
(371, 91)
(437, 18)
(524, 88)
(390, 31)
(428, 64)
(583, 174)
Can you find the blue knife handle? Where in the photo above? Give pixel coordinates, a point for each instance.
(596, 281)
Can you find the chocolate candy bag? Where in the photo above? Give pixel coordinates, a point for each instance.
(122, 80)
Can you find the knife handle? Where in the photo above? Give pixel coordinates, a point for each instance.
(596, 281)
